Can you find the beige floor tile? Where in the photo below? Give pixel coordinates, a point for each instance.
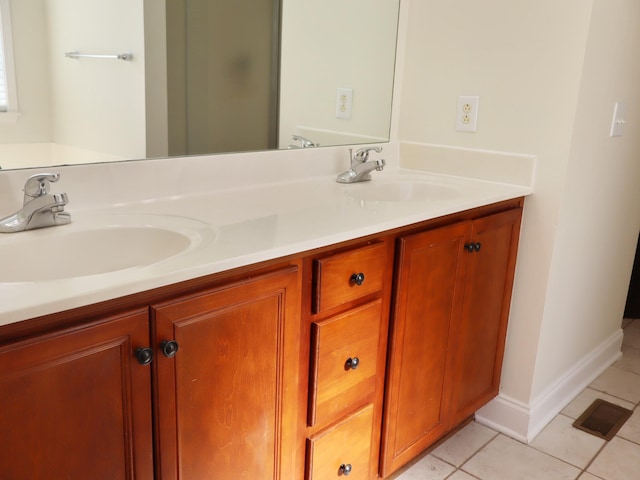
(428, 468)
(619, 460)
(461, 447)
(619, 383)
(588, 476)
(630, 360)
(631, 429)
(561, 440)
(460, 475)
(586, 398)
(507, 459)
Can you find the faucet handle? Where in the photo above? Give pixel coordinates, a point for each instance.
(38, 185)
(362, 154)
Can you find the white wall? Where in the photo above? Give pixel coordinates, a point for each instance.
(547, 74)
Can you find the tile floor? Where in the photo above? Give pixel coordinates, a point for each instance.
(560, 451)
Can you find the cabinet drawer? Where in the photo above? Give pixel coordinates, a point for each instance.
(347, 446)
(347, 276)
(343, 362)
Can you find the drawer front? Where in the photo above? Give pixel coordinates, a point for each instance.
(346, 276)
(347, 446)
(344, 358)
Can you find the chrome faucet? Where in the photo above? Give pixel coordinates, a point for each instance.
(360, 170)
(304, 142)
(40, 208)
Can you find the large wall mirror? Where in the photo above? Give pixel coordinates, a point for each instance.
(203, 76)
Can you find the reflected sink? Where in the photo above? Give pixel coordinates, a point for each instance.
(400, 191)
(98, 245)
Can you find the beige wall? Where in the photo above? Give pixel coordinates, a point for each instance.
(548, 74)
(335, 44)
(32, 76)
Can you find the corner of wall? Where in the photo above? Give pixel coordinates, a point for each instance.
(524, 422)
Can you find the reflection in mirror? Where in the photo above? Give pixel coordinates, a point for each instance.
(204, 77)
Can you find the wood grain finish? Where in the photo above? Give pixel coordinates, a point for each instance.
(335, 387)
(332, 283)
(223, 408)
(481, 330)
(75, 404)
(347, 443)
(448, 330)
(431, 269)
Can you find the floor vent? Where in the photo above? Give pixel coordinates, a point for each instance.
(602, 419)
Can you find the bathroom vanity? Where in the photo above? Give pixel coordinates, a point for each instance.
(296, 345)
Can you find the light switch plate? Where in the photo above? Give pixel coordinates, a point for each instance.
(619, 119)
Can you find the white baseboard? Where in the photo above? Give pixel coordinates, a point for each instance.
(523, 422)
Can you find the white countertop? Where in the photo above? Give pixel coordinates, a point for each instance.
(257, 223)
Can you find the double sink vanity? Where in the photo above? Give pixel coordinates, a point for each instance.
(292, 329)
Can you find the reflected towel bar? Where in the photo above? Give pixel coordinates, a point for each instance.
(119, 56)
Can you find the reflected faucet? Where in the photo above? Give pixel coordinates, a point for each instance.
(360, 170)
(40, 208)
(304, 142)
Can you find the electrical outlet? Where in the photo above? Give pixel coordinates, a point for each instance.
(467, 114)
(344, 102)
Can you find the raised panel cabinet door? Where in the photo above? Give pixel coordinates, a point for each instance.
(226, 391)
(76, 404)
(431, 267)
(480, 333)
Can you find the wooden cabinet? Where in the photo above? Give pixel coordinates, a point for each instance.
(348, 336)
(225, 407)
(76, 404)
(479, 333)
(451, 305)
(277, 371)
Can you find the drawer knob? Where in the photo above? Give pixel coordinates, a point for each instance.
(144, 355)
(352, 363)
(345, 469)
(357, 278)
(169, 348)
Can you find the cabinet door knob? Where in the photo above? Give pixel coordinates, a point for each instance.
(144, 355)
(345, 469)
(476, 246)
(169, 348)
(469, 247)
(357, 278)
(352, 363)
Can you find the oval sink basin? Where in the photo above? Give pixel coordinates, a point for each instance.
(100, 245)
(400, 191)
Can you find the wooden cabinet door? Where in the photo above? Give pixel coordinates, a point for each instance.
(480, 333)
(76, 404)
(226, 402)
(431, 268)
